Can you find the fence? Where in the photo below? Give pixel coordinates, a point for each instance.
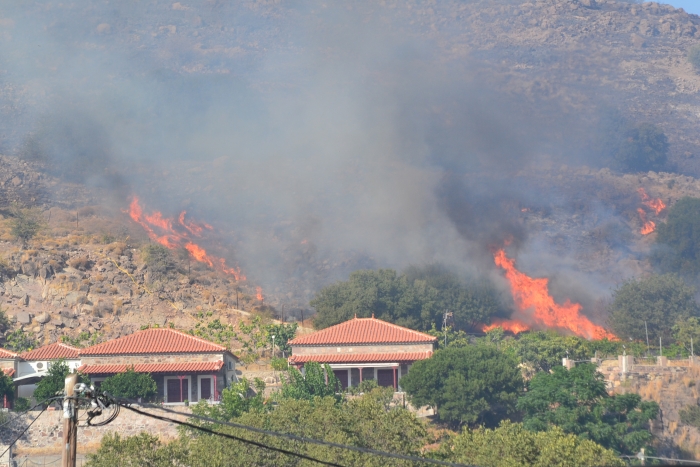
(49, 460)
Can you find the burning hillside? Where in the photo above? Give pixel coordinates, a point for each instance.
(178, 234)
(535, 305)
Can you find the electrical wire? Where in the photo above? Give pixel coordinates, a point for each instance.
(236, 438)
(19, 414)
(424, 460)
(23, 432)
(661, 458)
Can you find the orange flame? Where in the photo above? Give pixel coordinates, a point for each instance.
(533, 294)
(655, 205)
(259, 293)
(172, 238)
(514, 326)
(647, 225)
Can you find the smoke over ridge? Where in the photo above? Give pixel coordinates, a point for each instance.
(310, 131)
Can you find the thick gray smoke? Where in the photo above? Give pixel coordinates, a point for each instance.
(318, 137)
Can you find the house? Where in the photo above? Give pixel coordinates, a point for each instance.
(8, 365)
(32, 366)
(364, 348)
(185, 367)
(8, 362)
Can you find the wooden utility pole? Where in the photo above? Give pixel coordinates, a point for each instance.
(70, 422)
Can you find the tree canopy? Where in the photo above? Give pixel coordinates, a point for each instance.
(511, 445)
(473, 384)
(54, 381)
(577, 401)
(316, 381)
(130, 385)
(364, 421)
(643, 147)
(659, 300)
(678, 239)
(416, 299)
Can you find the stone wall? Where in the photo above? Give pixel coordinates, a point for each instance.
(46, 434)
(151, 358)
(334, 349)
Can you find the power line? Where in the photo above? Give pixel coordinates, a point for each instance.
(424, 460)
(19, 414)
(236, 438)
(638, 456)
(23, 432)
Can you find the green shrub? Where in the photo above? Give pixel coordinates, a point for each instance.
(660, 301)
(694, 56)
(22, 404)
(691, 416)
(678, 239)
(644, 147)
(158, 260)
(26, 223)
(130, 385)
(279, 363)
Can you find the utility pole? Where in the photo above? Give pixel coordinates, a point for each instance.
(647, 331)
(444, 324)
(692, 354)
(70, 422)
(661, 351)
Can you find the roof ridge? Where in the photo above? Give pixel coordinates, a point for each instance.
(201, 339)
(10, 352)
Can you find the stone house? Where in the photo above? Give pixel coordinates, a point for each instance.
(185, 367)
(32, 366)
(364, 348)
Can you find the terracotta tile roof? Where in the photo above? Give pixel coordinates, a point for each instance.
(185, 367)
(361, 357)
(52, 352)
(7, 354)
(364, 331)
(9, 371)
(151, 341)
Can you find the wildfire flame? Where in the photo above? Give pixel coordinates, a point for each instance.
(175, 238)
(647, 225)
(654, 204)
(511, 325)
(259, 293)
(532, 295)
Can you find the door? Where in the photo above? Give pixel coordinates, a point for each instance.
(174, 390)
(205, 388)
(385, 378)
(178, 390)
(342, 376)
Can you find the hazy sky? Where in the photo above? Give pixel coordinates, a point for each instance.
(690, 6)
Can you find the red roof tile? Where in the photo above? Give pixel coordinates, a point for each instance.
(364, 331)
(8, 371)
(186, 367)
(52, 352)
(151, 341)
(361, 357)
(7, 354)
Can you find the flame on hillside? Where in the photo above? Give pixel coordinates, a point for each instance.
(511, 325)
(535, 305)
(161, 229)
(259, 293)
(656, 205)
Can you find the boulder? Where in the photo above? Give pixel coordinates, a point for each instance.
(43, 318)
(29, 269)
(74, 298)
(23, 317)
